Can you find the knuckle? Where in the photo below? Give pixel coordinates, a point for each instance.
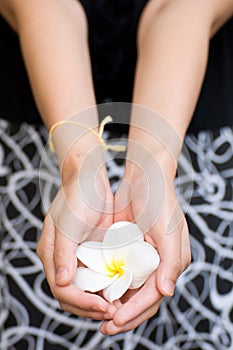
(177, 265)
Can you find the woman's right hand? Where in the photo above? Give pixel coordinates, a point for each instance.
(82, 210)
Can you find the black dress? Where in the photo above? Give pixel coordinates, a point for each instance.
(112, 38)
(200, 315)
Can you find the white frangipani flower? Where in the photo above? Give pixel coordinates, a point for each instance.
(122, 261)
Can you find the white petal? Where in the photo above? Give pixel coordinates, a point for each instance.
(142, 260)
(118, 239)
(91, 255)
(119, 287)
(91, 281)
(138, 282)
(120, 234)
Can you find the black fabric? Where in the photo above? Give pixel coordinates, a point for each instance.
(200, 314)
(112, 36)
(215, 106)
(16, 100)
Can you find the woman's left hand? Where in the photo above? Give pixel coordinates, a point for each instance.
(147, 197)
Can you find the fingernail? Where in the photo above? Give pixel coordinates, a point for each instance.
(103, 328)
(61, 274)
(169, 286)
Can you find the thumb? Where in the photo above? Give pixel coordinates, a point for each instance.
(173, 247)
(65, 259)
(170, 267)
(166, 277)
(175, 254)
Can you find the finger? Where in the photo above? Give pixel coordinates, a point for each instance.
(185, 247)
(145, 298)
(110, 328)
(65, 259)
(170, 267)
(45, 249)
(95, 315)
(127, 296)
(116, 303)
(69, 294)
(78, 299)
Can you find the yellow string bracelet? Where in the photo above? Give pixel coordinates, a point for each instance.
(99, 134)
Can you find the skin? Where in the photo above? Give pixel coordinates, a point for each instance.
(177, 64)
(173, 52)
(62, 90)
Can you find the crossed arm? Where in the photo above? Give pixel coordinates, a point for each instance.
(173, 40)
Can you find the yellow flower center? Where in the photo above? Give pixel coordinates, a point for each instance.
(115, 267)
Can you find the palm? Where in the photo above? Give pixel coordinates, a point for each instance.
(80, 211)
(148, 198)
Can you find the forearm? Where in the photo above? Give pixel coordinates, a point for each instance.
(173, 43)
(53, 37)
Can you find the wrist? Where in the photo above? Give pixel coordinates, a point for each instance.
(86, 153)
(147, 154)
(156, 133)
(74, 134)
(71, 139)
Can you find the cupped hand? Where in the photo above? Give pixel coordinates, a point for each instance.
(147, 197)
(82, 210)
